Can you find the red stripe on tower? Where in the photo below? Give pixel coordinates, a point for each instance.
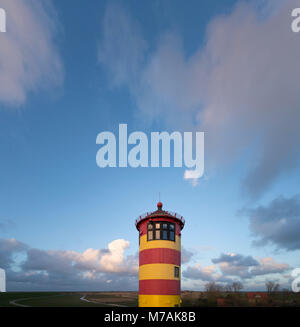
(159, 287)
(160, 255)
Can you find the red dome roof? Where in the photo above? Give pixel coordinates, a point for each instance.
(159, 213)
(159, 205)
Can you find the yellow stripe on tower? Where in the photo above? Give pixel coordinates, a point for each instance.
(159, 300)
(160, 243)
(157, 271)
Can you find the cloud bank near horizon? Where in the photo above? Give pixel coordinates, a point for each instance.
(32, 269)
(232, 267)
(94, 269)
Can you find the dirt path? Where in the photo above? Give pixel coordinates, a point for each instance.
(83, 298)
(110, 304)
(15, 302)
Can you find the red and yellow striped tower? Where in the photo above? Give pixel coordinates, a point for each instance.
(159, 258)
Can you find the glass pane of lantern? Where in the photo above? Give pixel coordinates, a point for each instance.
(165, 235)
(172, 236)
(157, 234)
(165, 226)
(150, 235)
(150, 226)
(157, 226)
(172, 226)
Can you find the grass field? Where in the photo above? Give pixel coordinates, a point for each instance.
(130, 299)
(5, 298)
(59, 299)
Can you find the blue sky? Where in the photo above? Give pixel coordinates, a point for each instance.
(70, 71)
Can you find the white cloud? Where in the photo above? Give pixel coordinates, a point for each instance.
(277, 223)
(111, 269)
(231, 267)
(196, 271)
(29, 58)
(115, 257)
(268, 266)
(110, 260)
(186, 255)
(241, 87)
(69, 270)
(8, 249)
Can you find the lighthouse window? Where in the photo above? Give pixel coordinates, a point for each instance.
(176, 272)
(161, 231)
(165, 235)
(150, 235)
(172, 236)
(157, 234)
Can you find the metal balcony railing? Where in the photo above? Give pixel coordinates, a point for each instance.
(162, 213)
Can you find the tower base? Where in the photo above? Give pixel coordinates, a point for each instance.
(159, 301)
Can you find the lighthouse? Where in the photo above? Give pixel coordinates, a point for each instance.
(159, 258)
